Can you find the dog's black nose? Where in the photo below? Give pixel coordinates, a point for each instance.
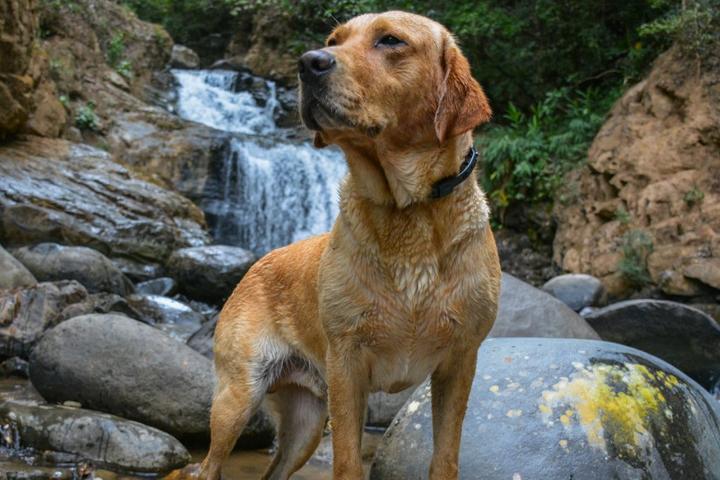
(314, 64)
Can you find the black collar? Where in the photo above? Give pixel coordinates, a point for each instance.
(445, 186)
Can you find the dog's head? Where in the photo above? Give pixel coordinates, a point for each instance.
(394, 75)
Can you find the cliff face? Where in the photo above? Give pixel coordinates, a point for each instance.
(18, 27)
(59, 60)
(648, 202)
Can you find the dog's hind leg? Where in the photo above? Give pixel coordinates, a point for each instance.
(300, 416)
(232, 408)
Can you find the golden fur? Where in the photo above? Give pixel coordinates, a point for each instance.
(402, 288)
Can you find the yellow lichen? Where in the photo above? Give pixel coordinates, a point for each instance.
(609, 401)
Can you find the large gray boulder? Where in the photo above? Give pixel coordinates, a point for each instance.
(118, 365)
(209, 273)
(12, 273)
(684, 336)
(27, 312)
(561, 409)
(576, 290)
(104, 440)
(51, 262)
(526, 311)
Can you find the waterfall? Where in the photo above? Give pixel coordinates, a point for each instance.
(273, 191)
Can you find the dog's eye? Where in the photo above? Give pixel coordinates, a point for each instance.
(332, 42)
(389, 41)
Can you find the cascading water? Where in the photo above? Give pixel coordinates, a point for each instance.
(273, 191)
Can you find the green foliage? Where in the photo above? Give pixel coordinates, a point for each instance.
(188, 21)
(520, 50)
(636, 246)
(65, 101)
(694, 25)
(85, 118)
(115, 55)
(694, 196)
(525, 159)
(115, 49)
(622, 216)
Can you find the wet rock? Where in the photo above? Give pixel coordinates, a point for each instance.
(104, 440)
(12, 273)
(526, 311)
(382, 407)
(576, 290)
(138, 271)
(183, 57)
(164, 286)
(26, 313)
(681, 335)
(102, 303)
(202, 341)
(183, 155)
(17, 470)
(14, 367)
(209, 273)
(53, 262)
(57, 191)
(169, 315)
(557, 408)
(117, 365)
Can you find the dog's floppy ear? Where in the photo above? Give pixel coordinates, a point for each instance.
(319, 142)
(462, 104)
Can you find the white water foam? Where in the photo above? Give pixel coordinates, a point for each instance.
(273, 191)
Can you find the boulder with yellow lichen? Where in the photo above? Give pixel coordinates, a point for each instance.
(560, 408)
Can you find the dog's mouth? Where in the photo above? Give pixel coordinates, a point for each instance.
(319, 114)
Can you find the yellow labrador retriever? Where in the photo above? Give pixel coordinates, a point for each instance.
(404, 287)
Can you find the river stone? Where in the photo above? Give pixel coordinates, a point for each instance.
(138, 271)
(164, 286)
(203, 340)
(104, 440)
(51, 262)
(209, 273)
(169, 315)
(382, 407)
(526, 311)
(17, 470)
(102, 303)
(117, 365)
(684, 336)
(13, 274)
(26, 313)
(562, 409)
(576, 290)
(183, 57)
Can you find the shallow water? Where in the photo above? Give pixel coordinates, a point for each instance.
(242, 464)
(251, 464)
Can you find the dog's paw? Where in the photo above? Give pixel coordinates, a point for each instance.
(190, 472)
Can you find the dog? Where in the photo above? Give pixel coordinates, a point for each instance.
(406, 284)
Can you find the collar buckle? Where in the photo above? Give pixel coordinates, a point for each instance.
(445, 186)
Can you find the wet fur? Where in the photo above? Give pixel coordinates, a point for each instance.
(402, 288)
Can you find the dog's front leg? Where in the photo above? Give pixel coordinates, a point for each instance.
(451, 384)
(347, 395)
